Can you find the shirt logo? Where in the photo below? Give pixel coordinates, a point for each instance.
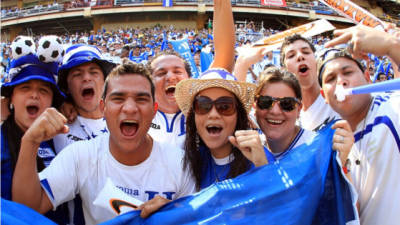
(155, 126)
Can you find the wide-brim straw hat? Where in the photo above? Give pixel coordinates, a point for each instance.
(187, 89)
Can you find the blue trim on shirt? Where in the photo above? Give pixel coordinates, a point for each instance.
(378, 120)
(170, 128)
(295, 140)
(46, 186)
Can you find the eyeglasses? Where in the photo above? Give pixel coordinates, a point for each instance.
(287, 104)
(225, 106)
(330, 52)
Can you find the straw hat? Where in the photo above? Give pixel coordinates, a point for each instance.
(187, 89)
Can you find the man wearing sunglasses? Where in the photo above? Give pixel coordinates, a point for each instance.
(298, 57)
(375, 121)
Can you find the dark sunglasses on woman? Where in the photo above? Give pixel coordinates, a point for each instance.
(225, 105)
(287, 104)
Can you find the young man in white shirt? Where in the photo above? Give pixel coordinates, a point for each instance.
(135, 163)
(298, 57)
(375, 121)
(82, 76)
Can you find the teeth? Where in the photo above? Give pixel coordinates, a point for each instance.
(275, 121)
(211, 126)
(172, 86)
(129, 121)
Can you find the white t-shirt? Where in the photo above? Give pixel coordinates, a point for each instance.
(84, 167)
(318, 114)
(375, 162)
(169, 128)
(81, 129)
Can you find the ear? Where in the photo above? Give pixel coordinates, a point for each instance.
(155, 108)
(367, 77)
(323, 95)
(102, 106)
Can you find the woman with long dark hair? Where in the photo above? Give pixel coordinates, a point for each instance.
(216, 105)
(31, 91)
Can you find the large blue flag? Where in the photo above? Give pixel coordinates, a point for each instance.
(183, 49)
(13, 213)
(305, 187)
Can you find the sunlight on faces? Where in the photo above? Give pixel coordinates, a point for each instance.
(275, 123)
(168, 70)
(129, 110)
(30, 99)
(346, 73)
(213, 128)
(85, 84)
(300, 60)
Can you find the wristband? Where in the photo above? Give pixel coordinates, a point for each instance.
(346, 167)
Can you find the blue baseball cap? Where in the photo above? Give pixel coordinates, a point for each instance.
(77, 55)
(29, 67)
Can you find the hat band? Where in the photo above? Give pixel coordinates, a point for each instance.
(30, 70)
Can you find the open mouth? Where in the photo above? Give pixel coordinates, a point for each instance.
(303, 68)
(275, 122)
(88, 93)
(32, 110)
(129, 127)
(170, 91)
(214, 129)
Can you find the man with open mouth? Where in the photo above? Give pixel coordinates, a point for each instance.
(81, 77)
(148, 170)
(298, 57)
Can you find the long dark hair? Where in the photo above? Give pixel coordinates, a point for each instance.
(194, 160)
(13, 135)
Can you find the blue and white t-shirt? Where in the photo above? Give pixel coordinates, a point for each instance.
(375, 161)
(81, 129)
(169, 128)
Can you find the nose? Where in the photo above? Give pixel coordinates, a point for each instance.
(129, 106)
(35, 94)
(275, 109)
(171, 76)
(300, 56)
(213, 113)
(342, 81)
(87, 76)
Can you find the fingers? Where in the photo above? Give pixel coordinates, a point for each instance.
(249, 143)
(343, 37)
(152, 205)
(343, 139)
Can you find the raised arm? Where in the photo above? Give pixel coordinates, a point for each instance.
(368, 40)
(224, 35)
(26, 188)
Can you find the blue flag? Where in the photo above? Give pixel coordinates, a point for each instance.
(167, 3)
(380, 69)
(183, 49)
(13, 213)
(206, 59)
(305, 187)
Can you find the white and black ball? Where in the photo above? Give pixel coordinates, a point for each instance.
(21, 46)
(50, 49)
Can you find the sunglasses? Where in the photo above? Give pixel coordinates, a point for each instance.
(225, 106)
(287, 104)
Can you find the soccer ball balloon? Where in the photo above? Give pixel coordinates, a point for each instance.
(21, 46)
(50, 49)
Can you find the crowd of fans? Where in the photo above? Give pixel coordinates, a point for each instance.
(124, 106)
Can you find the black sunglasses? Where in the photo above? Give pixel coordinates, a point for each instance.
(225, 106)
(287, 104)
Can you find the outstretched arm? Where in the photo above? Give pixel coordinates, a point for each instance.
(224, 35)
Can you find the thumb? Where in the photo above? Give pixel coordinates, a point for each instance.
(233, 141)
(65, 129)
